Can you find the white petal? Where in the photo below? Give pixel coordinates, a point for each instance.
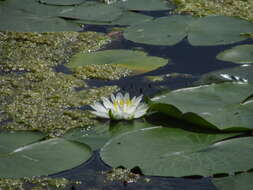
(100, 114)
(98, 107)
(107, 103)
(138, 100)
(142, 106)
(113, 97)
(126, 97)
(139, 114)
(119, 96)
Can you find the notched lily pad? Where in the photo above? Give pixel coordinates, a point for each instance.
(22, 156)
(163, 151)
(242, 54)
(204, 31)
(218, 105)
(136, 61)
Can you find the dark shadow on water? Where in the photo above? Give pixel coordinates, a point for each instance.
(92, 178)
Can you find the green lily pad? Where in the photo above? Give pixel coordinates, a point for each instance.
(134, 60)
(20, 21)
(31, 7)
(127, 18)
(31, 23)
(238, 182)
(10, 141)
(62, 2)
(91, 11)
(26, 158)
(145, 5)
(242, 54)
(131, 18)
(97, 136)
(239, 74)
(163, 151)
(204, 31)
(218, 105)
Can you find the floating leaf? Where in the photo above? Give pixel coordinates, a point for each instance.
(20, 21)
(169, 151)
(127, 18)
(204, 31)
(26, 158)
(238, 182)
(239, 74)
(10, 141)
(32, 7)
(131, 18)
(62, 2)
(145, 5)
(216, 105)
(242, 54)
(134, 60)
(91, 11)
(161, 31)
(97, 136)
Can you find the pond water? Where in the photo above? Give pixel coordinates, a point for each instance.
(187, 65)
(191, 62)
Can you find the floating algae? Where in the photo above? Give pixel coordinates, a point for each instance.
(33, 96)
(44, 183)
(240, 8)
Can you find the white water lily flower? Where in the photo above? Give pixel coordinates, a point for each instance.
(120, 107)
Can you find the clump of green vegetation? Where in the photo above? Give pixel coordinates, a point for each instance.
(33, 95)
(122, 175)
(240, 8)
(103, 72)
(36, 183)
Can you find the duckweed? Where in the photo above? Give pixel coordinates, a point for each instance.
(103, 72)
(122, 175)
(240, 8)
(45, 183)
(33, 95)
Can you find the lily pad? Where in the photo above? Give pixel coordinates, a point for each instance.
(131, 18)
(218, 105)
(20, 21)
(127, 18)
(145, 5)
(21, 156)
(238, 182)
(134, 60)
(10, 141)
(242, 54)
(163, 151)
(91, 11)
(97, 136)
(239, 74)
(204, 31)
(62, 2)
(32, 7)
